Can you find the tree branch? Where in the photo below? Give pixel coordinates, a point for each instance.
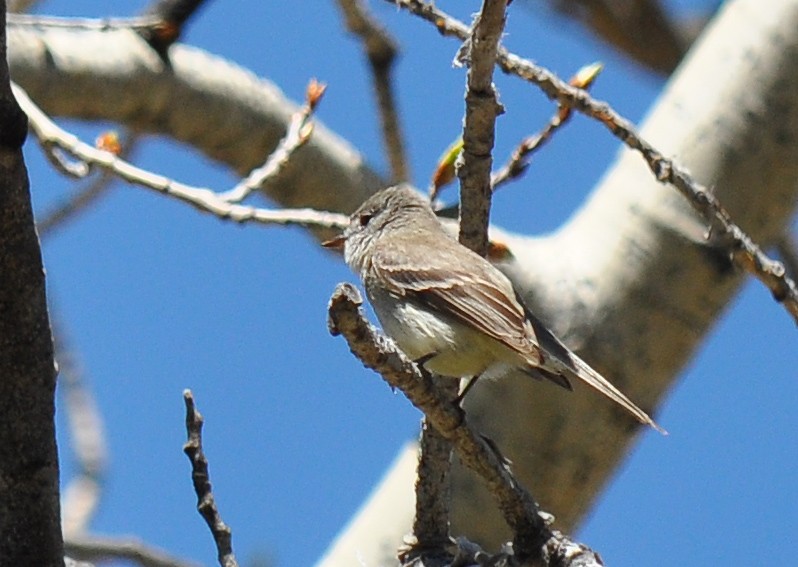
(218, 108)
(787, 248)
(99, 548)
(381, 51)
(482, 108)
(140, 23)
(21, 5)
(298, 134)
(206, 504)
(723, 232)
(531, 532)
(30, 523)
(71, 207)
(727, 235)
(50, 135)
(433, 499)
(518, 162)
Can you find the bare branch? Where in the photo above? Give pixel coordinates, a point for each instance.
(100, 548)
(70, 208)
(30, 522)
(381, 51)
(206, 504)
(102, 24)
(243, 116)
(433, 496)
(518, 162)
(299, 130)
(531, 532)
(724, 233)
(482, 108)
(50, 135)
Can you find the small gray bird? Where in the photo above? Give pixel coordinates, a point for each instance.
(448, 308)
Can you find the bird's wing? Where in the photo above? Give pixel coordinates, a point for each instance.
(486, 301)
(478, 298)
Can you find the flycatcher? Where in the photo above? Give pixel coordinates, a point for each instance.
(448, 308)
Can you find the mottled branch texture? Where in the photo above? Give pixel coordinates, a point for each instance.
(222, 205)
(217, 107)
(479, 126)
(30, 526)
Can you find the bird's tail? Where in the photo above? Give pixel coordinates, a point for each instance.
(559, 359)
(586, 374)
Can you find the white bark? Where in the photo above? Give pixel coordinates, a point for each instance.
(628, 281)
(220, 109)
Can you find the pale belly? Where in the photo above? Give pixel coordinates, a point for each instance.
(459, 351)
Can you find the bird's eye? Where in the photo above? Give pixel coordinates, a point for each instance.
(365, 218)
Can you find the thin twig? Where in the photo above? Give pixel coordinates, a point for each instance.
(532, 535)
(97, 24)
(299, 130)
(100, 548)
(519, 162)
(482, 108)
(206, 504)
(381, 51)
(65, 165)
(431, 541)
(50, 135)
(83, 198)
(742, 250)
(723, 232)
(431, 526)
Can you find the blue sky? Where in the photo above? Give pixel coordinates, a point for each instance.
(156, 297)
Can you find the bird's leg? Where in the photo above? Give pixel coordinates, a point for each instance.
(422, 360)
(471, 381)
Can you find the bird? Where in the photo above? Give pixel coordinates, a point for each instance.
(448, 308)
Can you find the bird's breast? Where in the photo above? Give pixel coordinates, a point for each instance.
(458, 349)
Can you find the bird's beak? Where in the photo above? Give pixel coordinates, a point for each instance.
(336, 243)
